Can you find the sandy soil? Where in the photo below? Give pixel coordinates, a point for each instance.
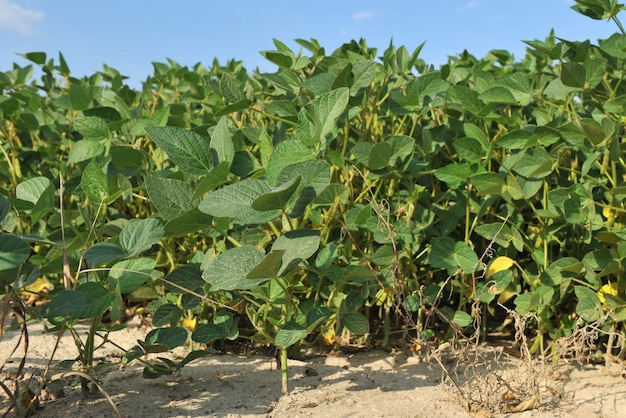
(364, 384)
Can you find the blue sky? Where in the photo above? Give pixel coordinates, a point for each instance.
(128, 35)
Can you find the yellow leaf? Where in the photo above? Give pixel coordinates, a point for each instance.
(608, 289)
(42, 284)
(499, 264)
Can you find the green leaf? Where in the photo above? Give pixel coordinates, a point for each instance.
(290, 334)
(589, 305)
(285, 154)
(167, 314)
(98, 300)
(615, 45)
(469, 149)
(169, 337)
(316, 317)
(235, 201)
(95, 183)
(221, 144)
(462, 319)
(103, 252)
(315, 177)
(217, 177)
(13, 252)
(269, 267)
(356, 323)
(534, 163)
(207, 333)
(140, 235)
(183, 279)
(85, 150)
(39, 191)
(317, 120)
(188, 150)
(454, 174)
(92, 128)
(229, 270)
(277, 198)
(191, 221)
(5, 207)
(573, 74)
(498, 94)
(379, 155)
(171, 197)
(127, 159)
(128, 275)
(451, 255)
(299, 245)
(66, 302)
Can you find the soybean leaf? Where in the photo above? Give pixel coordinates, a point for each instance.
(317, 120)
(229, 270)
(285, 154)
(221, 144)
(103, 252)
(277, 198)
(128, 275)
(299, 245)
(95, 183)
(13, 252)
(140, 235)
(268, 267)
(356, 323)
(188, 150)
(170, 337)
(451, 255)
(290, 334)
(589, 305)
(183, 278)
(191, 221)
(167, 314)
(235, 201)
(171, 197)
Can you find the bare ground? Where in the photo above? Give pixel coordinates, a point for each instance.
(370, 383)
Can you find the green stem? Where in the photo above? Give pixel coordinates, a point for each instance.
(284, 370)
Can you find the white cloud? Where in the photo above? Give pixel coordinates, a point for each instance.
(17, 19)
(470, 5)
(363, 15)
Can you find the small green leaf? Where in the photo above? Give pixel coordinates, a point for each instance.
(229, 270)
(451, 255)
(92, 128)
(299, 245)
(221, 144)
(269, 267)
(357, 323)
(140, 235)
(589, 305)
(128, 275)
(95, 183)
(462, 319)
(85, 150)
(290, 334)
(103, 252)
(13, 252)
(235, 201)
(191, 221)
(188, 150)
(167, 314)
(171, 197)
(285, 154)
(169, 337)
(183, 279)
(277, 198)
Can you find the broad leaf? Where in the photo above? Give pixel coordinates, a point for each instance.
(188, 150)
(140, 235)
(229, 270)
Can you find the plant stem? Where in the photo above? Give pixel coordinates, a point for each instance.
(284, 370)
